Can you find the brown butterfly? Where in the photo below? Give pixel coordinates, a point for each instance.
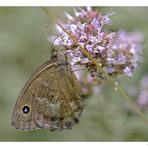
(50, 99)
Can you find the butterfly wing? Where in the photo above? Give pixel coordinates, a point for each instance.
(50, 99)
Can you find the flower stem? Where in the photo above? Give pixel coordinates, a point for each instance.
(115, 84)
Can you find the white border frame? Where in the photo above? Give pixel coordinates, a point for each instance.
(73, 2)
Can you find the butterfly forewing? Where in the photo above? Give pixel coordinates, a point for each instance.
(50, 99)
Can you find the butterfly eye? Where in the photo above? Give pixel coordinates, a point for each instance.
(25, 109)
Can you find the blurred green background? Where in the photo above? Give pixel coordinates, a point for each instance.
(23, 47)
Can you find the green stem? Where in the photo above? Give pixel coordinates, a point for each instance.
(115, 84)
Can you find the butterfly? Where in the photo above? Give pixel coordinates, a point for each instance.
(51, 99)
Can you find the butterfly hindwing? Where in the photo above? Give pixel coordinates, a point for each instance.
(50, 99)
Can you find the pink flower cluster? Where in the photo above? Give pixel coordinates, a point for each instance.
(118, 53)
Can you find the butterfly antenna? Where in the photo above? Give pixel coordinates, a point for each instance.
(54, 51)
